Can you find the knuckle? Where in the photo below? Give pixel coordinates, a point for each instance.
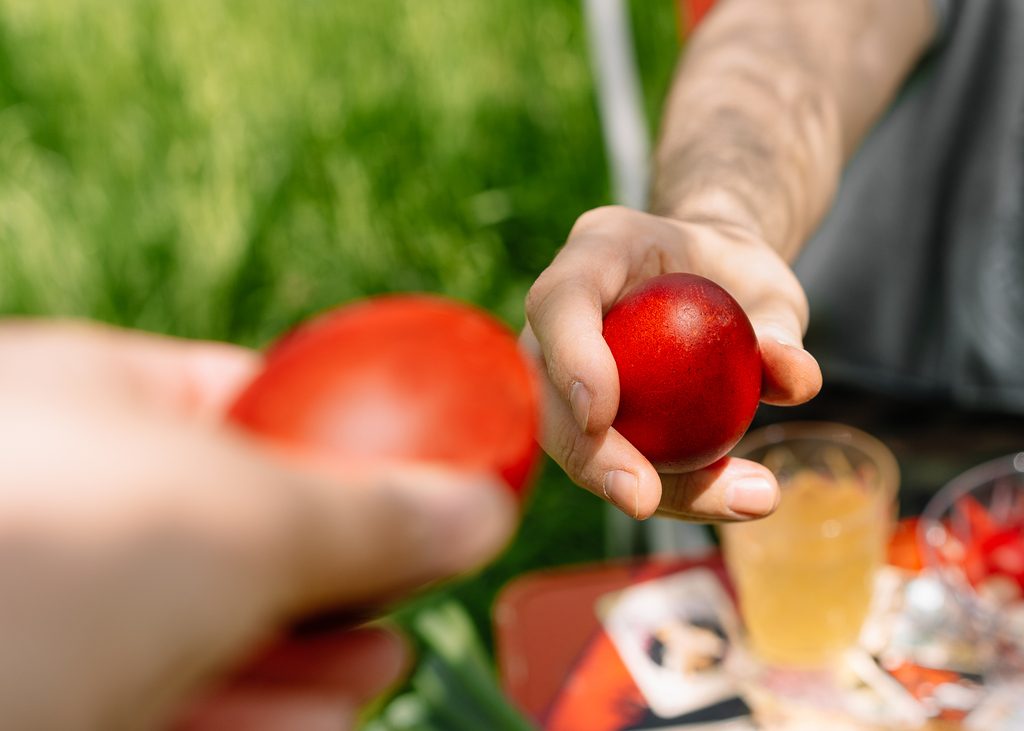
(538, 301)
(534, 297)
(783, 295)
(674, 496)
(683, 495)
(792, 302)
(601, 218)
(575, 454)
(792, 290)
(548, 296)
(801, 306)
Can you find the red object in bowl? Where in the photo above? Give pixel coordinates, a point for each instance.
(689, 370)
(993, 545)
(1004, 554)
(405, 377)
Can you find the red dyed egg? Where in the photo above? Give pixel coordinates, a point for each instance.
(408, 377)
(689, 370)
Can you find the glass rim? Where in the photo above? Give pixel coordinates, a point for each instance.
(959, 486)
(829, 432)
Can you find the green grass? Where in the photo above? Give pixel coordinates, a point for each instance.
(222, 169)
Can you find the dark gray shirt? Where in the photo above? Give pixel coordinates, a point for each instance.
(916, 277)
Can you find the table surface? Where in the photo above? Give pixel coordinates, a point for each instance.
(564, 672)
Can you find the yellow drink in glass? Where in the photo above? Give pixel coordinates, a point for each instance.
(804, 575)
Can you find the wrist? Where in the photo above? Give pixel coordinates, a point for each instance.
(720, 209)
(713, 206)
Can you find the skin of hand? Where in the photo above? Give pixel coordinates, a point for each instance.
(152, 558)
(770, 99)
(609, 251)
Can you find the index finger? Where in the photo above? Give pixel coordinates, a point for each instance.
(189, 377)
(197, 378)
(567, 321)
(565, 310)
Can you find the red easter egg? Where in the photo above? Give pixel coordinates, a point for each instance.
(404, 377)
(689, 370)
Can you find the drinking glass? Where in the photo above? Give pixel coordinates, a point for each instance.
(804, 575)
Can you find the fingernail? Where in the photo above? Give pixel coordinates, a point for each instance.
(474, 520)
(579, 400)
(782, 337)
(623, 489)
(751, 496)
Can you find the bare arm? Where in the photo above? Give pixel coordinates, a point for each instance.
(770, 100)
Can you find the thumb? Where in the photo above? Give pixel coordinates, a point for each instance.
(279, 545)
(790, 375)
(388, 532)
(180, 547)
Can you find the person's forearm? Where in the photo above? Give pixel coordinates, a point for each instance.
(770, 99)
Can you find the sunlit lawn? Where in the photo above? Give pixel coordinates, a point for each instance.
(223, 169)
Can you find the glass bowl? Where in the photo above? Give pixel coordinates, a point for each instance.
(972, 536)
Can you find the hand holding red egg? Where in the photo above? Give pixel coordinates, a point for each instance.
(644, 433)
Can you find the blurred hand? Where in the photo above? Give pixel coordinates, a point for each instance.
(150, 556)
(609, 251)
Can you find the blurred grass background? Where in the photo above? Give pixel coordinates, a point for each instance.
(221, 169)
